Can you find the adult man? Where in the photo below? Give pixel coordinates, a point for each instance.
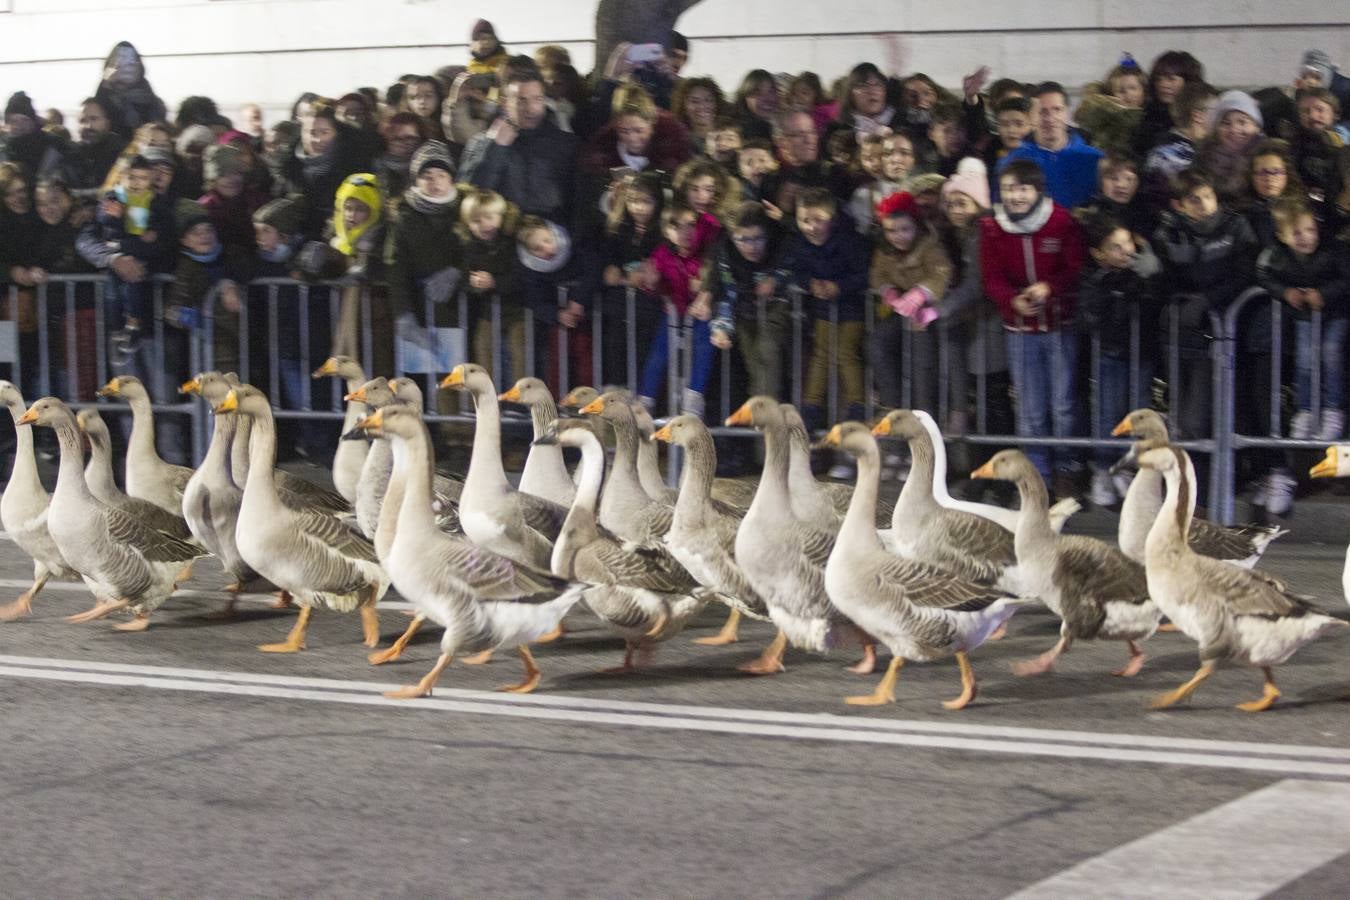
(88, 160)
(1069, 164)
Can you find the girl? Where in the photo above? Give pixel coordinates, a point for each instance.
(1171, 72)
(897, 160)
(1272, 178)
(865, 106)
(1235, 130)
(632, 233)
(423, 97)
(756, 105)
(875, 187)
(1113, 108)
(674, 271)
(697, 104)
(806, 92)
(712, 193)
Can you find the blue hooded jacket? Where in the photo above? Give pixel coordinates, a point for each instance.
(1070, 174)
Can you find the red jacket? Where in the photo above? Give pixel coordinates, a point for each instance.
(675, 272)
(1046, 246)
(668, 148)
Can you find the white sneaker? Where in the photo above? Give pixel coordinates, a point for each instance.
(1121, 481)
(1103, 491)
(892, 461)
(1332, 427)
(1301, 426)
(1280, 486)
(691, 402)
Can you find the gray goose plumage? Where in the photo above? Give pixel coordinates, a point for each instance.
(822, 503)
(1242, 545)
(702, 536)
(1240, 615)
(98, 474)
(311, 554)
(920, 613)
(24, 508)
(148, 477)
(1097, 591)
(639, 591)
(350, 456)
(545, 474)
(482, 599)
(126, 563)
(626, 508)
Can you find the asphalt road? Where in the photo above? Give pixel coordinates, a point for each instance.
(182, 762)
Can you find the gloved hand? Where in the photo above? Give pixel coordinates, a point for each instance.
(408, 329)
(924, 317)
(911, 301)
(439, 287)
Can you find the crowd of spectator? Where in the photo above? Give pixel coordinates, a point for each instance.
(994, 225)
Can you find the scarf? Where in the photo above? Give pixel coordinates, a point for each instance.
(319, 166)
(872, 124)
(207, 258)
(281, 254)
(428, 206)
(636, 163)
(1029, 222)
(548, 266)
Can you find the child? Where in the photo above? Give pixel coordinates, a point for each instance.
(1236, 124)
(1310, 276)
(632, 233)
(742, 276)
(549, 282)
(205, 264)
(711, 192)
(755, 162)
(1012, 117)
(134, 221)
(674, 271)
(827, 261)
(862, 208)
(945, 141)
(910, 272)
(897, 161)
(1113, 108)
(487, 226)
(1113, 296)
(1191, 113)
(226, 201)
(1031, 254)
(1320, 157)
(724, 141)
(1118, 197)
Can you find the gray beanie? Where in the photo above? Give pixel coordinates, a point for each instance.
(432, 153)
(1320, 61)
(1236, 101)
(220, 160)
(284, 214)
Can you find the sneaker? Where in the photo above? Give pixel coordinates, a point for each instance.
(1280, 487)
(691, 402)
(1301, 426)
(1121, 482)
(1258, 492)
(841, 471)
(1103, 491)
(1332, 427)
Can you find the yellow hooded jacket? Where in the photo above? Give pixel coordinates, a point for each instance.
(363, 188)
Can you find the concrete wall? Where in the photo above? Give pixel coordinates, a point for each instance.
(269, 51)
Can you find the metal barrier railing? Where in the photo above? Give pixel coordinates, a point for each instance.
(306, 304)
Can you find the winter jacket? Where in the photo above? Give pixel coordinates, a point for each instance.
(1110, 123)
(1106, 298)
(965, 301)
(732, 280)
(1045, 246)
(537, 172)
(1278, 268)
(417, 246)
(675, 273)
(669, 147)
(86, 165)
(233, 217)
(1215, 258)
(1070, 173)
(841, 259)
(1137, 215)
(498, 258)
(926, 265)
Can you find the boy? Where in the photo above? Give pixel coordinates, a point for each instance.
(1012, 118)
(755, 162)
(828, 261)
(1320, 154)
(724, 142)
(1118, 197)
(743, 275)
(487, 224)
(1113, 296)
(1031, 255)
(1191, 113)
(548, 285)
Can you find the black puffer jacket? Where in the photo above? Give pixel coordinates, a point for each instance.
(1279, 268)
(1215, 258)
(1106, 298)
(417, 246)
(538, 172)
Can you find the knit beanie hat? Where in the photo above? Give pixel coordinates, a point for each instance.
(481, 27)
(220, 160)
(188, 214)
(159, 156)
(20, 105)
(283, 214)
(192, 135)
(434, 154)
(972, 179)
(1236, 101)
(923, 184)
(901, 203)
(1320, 61)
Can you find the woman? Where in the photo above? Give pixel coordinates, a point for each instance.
(1235, 130)
(756, 105)
(423, 98)
(865, 103)
(326, 155)
(1171, 72)
(638, 137)
(18, 253)
(54, 254)
(403, 134)
(697, 104)
(124, 93)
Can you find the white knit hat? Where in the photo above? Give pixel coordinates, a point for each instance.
(1236, 101)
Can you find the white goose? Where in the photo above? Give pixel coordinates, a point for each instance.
(24, 510)
(545, 474)
(481, 599)
(125, 563)
(311, 554)
(1241, 615)
(1337, 465)
(350, 455)
(148, 477)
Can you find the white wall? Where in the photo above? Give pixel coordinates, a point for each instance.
(270, 51)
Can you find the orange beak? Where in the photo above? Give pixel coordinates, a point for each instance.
(985, 471)
(109, 389)
(328, 368)
(1324, 469)
(882, 428)
(191, 387)
(1123, 428)
(29, 417)
(371, 422)
(741, 417)
(511, 396)
(663, 434)
(454, 379)
(358, 395)
(836, 436)
(594, 408)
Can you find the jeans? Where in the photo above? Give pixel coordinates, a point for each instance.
(658, 358)
(1042, 369)
(1115, 401)
(1333, 362)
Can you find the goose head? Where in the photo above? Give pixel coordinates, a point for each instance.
(613, 407)
(1007, 465)
(343, 367)
(244, 399)
(854, 438)
(760, 411)
(49, 411)
(393, 420)
(1335, 465)
(528, 391)
(406, 391)
(1149, 430)
(470, 377)
(94, 428)
(193, 386)
(579, 396)
(213, 386)
(10, 397)
(900, 423)
(125, 386)
(375, 393)
(681, 431)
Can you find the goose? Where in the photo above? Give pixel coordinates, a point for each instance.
(545, 474)
(148, 477)
(813, 500)
(649, 456)
(482, 599)
(625, 507)
(919, 613)
(98, 474)
(308, 553)
(1241, 546)
(702, 537)
(126, 563)
(968, 545)
(1336, 465)
(514, 524)
(639, 591)
(1241, 615)
(1059, 512)
(784, 558)
(1097, 591)
(24, 508)
(584, 395)
(350, 455)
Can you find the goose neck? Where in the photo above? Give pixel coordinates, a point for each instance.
(25, 462)
(696, 480)
(262, 453)
(1173, 523)
(415, 515)
(859, 529)
(1033, 519)
(142, 438)
(70, 471)
(485, 459)
(916, 496)
(773, 486)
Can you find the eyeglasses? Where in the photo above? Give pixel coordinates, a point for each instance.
(749, 239)
(1269, 173)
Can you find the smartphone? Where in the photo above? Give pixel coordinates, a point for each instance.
(645, 53)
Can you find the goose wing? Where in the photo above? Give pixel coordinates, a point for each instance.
(300, 493)
(156, 517)
(334, 535)
(488, 575)
(544, 516)
(127, 530)
(607, 560)
(1250, 592)
(734, 493)
(1217, 542)
(1090, 574)
(928, 585)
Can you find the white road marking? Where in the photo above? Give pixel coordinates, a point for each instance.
(1279, 758)
(1243, 849)
(184, 594)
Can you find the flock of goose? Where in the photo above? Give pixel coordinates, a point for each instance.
(831, 566)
